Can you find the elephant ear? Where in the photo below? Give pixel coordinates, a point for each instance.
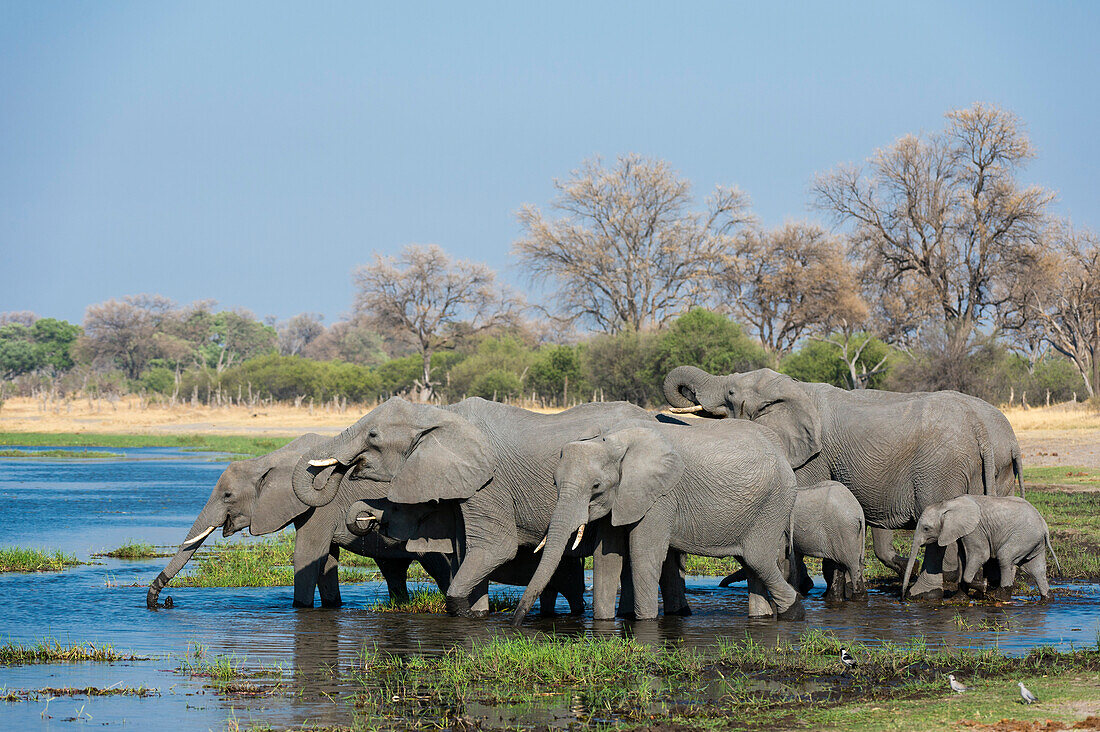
(960, 517)
(648, 470)
(450, 458)
(790, 412)
(275, 505)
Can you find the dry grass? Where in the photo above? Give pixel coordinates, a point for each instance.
(1068, 416)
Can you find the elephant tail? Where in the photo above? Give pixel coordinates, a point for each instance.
(1057, 564)
(989, 464)
(1018, 469)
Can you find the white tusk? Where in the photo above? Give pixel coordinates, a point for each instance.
(540, 546)
(365, 520)
(686, 410)
(187, 544)
(580, 535)
(323, 463)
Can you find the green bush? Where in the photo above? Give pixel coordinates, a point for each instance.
(821, 362)
(159, 379)
(497, 365)
(623, 367)
(710, 341)
(557, 375)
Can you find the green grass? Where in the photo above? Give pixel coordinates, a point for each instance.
(57, 454)
(48, 692)
(616, 682)
(1062, 475)
(235, 444)
(433, 602)
(52, 651)
(20, 559)
(134, 550)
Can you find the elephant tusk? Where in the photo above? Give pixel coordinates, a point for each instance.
(364, 521)
(187, 544)
(580, 535)
(686, 410)
(540, 546)
(323, 463)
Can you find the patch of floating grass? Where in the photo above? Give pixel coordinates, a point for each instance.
(134, 550)
(53, 691)
(58, 454)
(20, 559)
(52, 651)
(434, 602)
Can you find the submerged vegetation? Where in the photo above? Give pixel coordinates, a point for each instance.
(21, 559)
(50, 650)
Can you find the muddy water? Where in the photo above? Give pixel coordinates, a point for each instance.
(152, 495)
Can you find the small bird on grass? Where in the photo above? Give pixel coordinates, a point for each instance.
(956, 686)
(846, 659)
(1026, 695)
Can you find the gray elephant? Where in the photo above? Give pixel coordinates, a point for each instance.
(256, 494)
(721, 491)
(1005, 528)
(828, 524)
(897, 453)
(492, 461)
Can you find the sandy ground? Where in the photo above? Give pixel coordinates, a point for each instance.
(1066, 434)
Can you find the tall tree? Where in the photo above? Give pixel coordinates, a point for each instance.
(123, 332)
(298, 332)
(941, 219)
(790, 282)
(432, 300)
(624, 246)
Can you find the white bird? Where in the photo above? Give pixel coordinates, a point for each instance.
(956, 686)
(1026, 695)
(846, 658)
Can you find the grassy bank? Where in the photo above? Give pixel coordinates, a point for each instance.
(20, 559)
(81, 454)
(235, 444)
(53, 651)
(738, 684)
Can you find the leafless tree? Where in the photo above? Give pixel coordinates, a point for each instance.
(298, 332)
(626, 250)
(940, 220)
(432, 300)
(790, 282)
(1063, 298)
(353, 341)
(19, 317)
(123, 331)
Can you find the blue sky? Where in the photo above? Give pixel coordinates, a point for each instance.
(256, 153)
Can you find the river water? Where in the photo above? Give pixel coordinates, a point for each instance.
(153, 494)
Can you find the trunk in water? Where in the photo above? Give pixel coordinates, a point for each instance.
(556, 539)
(909, 565)
(207, 519)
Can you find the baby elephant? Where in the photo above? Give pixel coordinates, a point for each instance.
(1007, 529)
(829, 524)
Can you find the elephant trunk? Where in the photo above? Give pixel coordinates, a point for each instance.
(682, 384)
(557, 537)
(337, 453)
(909, 565)
(210, 519)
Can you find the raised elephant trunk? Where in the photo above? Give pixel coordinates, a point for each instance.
(909, 565)
(311, 485)
(210, 519)
(682, 384)
(557, 537)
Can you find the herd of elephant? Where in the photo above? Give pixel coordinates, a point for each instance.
(480, 491)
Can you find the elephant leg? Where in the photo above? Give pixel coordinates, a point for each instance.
(607, 569)
(760, 606)
(1037, 568)
(883, 540)
(673, 588)
(548, 601)
(834, 579)
(438, 567)
(396, 574)
(648, 550)
(973, 557)
(468, 595)
(312, 554)
(1008, 578)
(855, 574)
(328, 584)
(626, 590)
(787, 603)
(951, 564)
(572, 584)
(802, 581)
(929, 584)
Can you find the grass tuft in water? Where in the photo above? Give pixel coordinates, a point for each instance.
(134, 550)
(434, 602)
(20, 559)
(58, 454)
(51, 650)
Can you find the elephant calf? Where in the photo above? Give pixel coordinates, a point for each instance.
(1004, 528)
(828, 524)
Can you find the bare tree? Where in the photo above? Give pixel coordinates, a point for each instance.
(940, 220)
(626, 250)
(790, 282)
(18, 317)
(431, 300)
(1064, 299)
(298, 332)
(123, 331)
(353, 341)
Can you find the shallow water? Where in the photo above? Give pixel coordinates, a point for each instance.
(153, 495)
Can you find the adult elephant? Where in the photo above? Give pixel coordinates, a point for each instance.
(257, 495)
(494, 461)
(897, 453)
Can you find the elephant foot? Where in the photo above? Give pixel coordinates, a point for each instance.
(626, 615)
(299, 603)
(795, 612)
(332, 603)
(1001, 594)
(460, 607)
(682, 612)
(933, 595)
(860, 594)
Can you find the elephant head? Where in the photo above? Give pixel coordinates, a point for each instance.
(621, 474)
(944, 523)
(424, 452)
(772, 399)
(423, 527)
(250, 494)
